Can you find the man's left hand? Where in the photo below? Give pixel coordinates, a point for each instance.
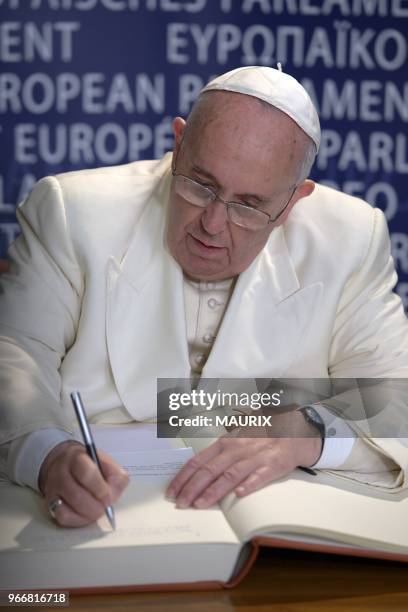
(245, 464)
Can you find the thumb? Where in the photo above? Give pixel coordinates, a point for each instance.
(114, 474)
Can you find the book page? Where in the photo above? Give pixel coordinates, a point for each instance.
(130, 437)
(153, 465)
(326, 506)
(153, 543)
(143, 515)
(137, 449)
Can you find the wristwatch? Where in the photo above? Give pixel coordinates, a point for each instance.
(313, 417)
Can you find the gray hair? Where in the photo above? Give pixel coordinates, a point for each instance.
(307, 161)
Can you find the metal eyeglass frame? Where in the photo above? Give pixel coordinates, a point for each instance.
(231, 203)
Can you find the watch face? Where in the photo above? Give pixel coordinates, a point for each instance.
(314, 418)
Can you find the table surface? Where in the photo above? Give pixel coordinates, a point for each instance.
(288, 581)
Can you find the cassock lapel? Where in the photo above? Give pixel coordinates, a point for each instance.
(266, 319)
(145, 325)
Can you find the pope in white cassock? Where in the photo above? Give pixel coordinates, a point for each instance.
(220, 260)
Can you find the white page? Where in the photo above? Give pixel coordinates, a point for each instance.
(153, 540)
(323, 505)
(131, 437)
(136, 447)
(153, 465)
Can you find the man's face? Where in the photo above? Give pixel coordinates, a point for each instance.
(244, 153)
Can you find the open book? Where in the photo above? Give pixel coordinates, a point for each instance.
(158, 546)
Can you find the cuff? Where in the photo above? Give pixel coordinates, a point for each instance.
(26, 458)
(338, 442)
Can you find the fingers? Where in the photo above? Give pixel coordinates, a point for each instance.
(202, 458)
(231, 464)
(116, 477)
(210, 475)
(105, 487)
(74, 478)
(225, 483)
(79, 507)
(87, 474)
(261, 477)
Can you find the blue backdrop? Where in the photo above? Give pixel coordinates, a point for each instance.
(96, 82)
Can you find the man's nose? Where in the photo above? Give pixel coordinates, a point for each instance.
(215, 217)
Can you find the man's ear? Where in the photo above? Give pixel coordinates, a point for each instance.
(302, 191)
(178, 129)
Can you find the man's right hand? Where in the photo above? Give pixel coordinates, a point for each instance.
(70, 474)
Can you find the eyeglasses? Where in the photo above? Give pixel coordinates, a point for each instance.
(238, 213)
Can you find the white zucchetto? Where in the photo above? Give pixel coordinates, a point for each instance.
(276, 88)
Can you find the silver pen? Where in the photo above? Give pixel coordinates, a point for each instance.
(89, 444)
